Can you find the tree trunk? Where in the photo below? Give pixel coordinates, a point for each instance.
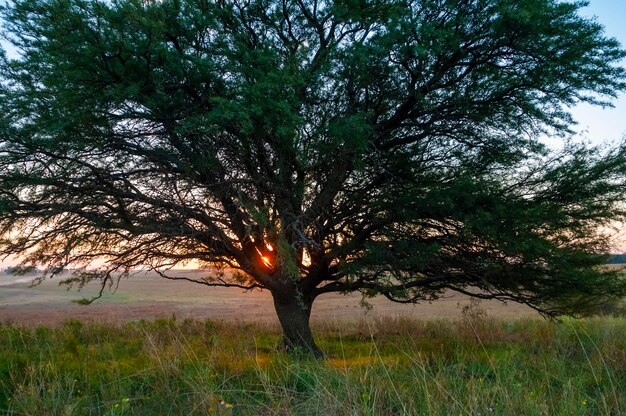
(293, 314)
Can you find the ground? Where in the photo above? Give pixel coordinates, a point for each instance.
(394, 360)
(148, 296)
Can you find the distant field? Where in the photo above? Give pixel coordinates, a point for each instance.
(147, 297)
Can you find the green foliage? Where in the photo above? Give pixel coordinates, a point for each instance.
(388, 366)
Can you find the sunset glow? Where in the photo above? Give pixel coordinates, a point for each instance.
(306, 258)
(266, 261)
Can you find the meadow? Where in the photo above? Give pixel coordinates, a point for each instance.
(387, 366)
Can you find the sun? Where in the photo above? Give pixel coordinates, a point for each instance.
(266, 261)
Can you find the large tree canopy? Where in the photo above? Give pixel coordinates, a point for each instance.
(383, 146)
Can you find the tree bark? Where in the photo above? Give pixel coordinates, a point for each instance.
(294, 313)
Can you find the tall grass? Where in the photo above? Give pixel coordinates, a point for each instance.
(475, 366)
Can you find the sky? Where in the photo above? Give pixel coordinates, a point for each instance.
(605, 125)
(596, 125)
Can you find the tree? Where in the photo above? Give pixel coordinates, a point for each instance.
(382, 146)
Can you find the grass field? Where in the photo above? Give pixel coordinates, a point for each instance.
(472, 366)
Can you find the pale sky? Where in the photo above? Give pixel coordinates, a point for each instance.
(608, 124)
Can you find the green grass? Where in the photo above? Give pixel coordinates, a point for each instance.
(475, 366)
